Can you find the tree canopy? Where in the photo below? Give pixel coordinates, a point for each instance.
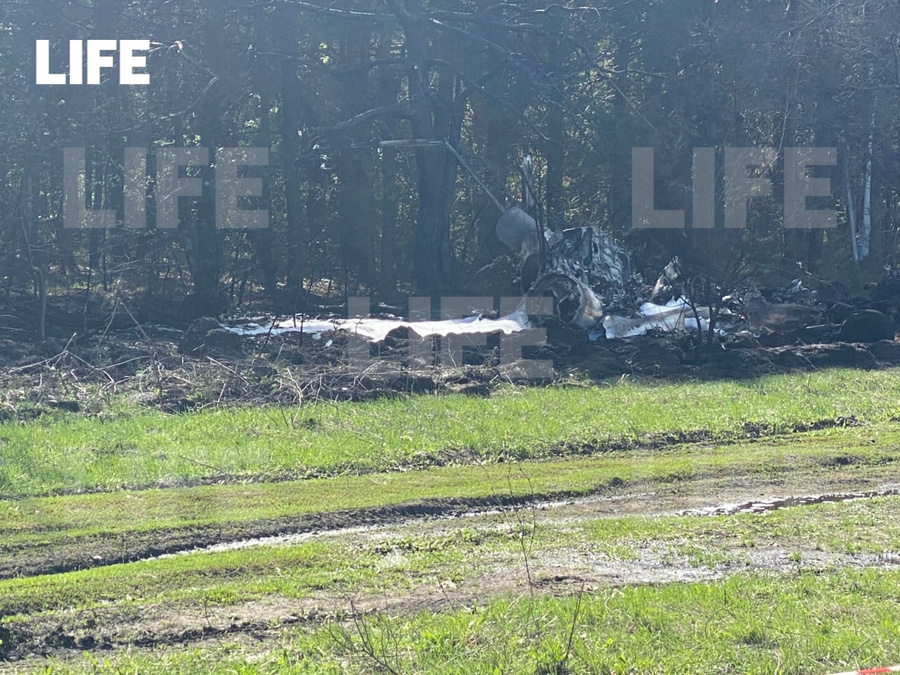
(385, 120)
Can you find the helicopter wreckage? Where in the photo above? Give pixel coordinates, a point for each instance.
(590, 277)
(584, 270)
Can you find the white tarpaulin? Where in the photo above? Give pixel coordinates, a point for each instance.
(676, 315)
(377, 330)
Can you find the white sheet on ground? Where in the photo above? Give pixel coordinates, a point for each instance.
(377, 330)
(676, 315)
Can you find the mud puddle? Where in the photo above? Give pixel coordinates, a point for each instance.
(760, 506)
(703, 496)
(389, 529)
(592, 506)
(264, 621)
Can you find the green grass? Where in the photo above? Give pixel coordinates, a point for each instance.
(747, 624)
(40, 521)
(866, 527)
(219, 578)
(371, 565)
(788, 623)
(147, 448)
(382, 453)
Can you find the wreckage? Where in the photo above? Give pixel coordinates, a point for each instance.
(590, 277)
(586, 272)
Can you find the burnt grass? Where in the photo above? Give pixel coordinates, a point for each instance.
(83, 374)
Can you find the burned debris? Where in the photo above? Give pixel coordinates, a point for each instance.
(590, 278)
(594, 288)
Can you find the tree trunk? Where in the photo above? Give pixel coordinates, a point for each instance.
(865, 232)
(206, 244)
(390, 211)
(556, 143)
(29, 225)
(619, 206)
(431, 117)
(296, 230)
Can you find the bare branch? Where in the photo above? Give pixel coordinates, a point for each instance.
(393, 110)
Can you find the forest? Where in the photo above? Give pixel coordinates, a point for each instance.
(393, 129)
(283, 389)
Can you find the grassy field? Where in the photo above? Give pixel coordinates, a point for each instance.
(357, 563)
(753, 625)
(799, 616)
(79, 515)
(142, 449)
(52, 531)
(569, 540)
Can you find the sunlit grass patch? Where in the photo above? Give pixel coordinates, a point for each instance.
(149, 448)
